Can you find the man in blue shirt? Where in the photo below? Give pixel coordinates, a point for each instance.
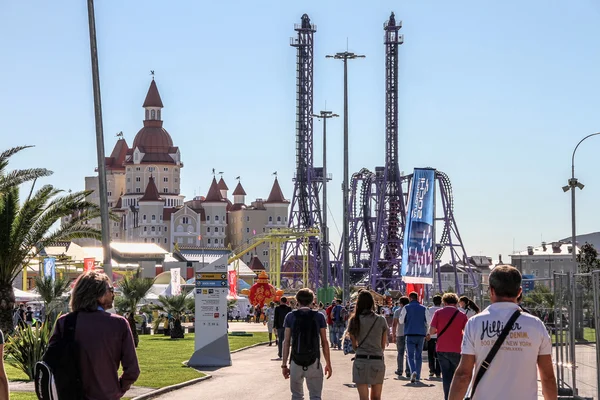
(414, 318)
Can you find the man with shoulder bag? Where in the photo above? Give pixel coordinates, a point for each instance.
(506, 348)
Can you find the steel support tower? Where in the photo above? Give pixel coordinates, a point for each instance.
(305, 210)
(391, 210)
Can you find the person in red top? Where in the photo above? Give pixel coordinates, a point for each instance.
(330, 324)
(449, 324)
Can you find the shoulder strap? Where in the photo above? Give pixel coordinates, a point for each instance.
(448, 324)
(488, 360)
(367, 335)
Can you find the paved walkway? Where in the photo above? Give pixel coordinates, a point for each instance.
(16, 387)
(256, 372)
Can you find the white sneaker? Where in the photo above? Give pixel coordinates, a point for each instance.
(413, 377)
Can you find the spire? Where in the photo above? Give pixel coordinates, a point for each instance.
(214, 194)
(239, 190)
(276, 195)
(151, 193)
(222, 185)
(153, 97)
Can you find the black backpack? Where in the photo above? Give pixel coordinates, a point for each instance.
(305, 339)
(57, 376)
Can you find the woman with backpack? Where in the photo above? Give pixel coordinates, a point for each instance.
(468, 306)
(368, 332)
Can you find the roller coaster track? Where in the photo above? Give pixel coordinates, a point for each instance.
(444, 181)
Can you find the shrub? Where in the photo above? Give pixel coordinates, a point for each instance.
(27, 346)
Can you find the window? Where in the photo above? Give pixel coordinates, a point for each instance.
(159, 228)
(175, 169)
(165, 228)
(165, 190)
(138, 179)
(270, 219)
(208, 229)
(165, 240)
(264, 230)
(166, 169)
(247, 219)
(247, 230)
(145, 229)
(152, 114)
(128, 190)
(137, 169)
(185, 220)
(128, 179)
(208, 217)
(145, 240)
(153, 217)
(144, 217)
(137, 190)
(278, 219)
(153, 229)
(152, 240)
(176, 180)
(285, 219)
(165, 179)
(179, 240)
(221, 241)
(136, 156)
(208, 241)
(128, 169)
(109, 194)
(151, 169)
(216, 217)
(161, 218)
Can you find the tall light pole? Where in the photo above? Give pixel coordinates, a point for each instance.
(325, 115)
(104, 217)
(345, 56)
(571, 185)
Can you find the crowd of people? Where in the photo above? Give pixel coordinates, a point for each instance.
(474, 352)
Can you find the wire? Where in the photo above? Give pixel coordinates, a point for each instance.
(334, 223)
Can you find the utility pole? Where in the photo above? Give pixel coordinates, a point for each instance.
(104, 216)
(345, 56)
(325, 115)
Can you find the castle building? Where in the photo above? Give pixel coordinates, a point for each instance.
(144, 190)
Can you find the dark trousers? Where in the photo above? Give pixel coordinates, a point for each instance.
(280, 337)
(401, 347)
(448, 363)
(434, 364)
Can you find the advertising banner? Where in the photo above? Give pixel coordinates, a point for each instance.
(233, 284)
(88, 264)
(211, 341)
(419, 288)
(417, 252)
(50, 267)
(175, 281)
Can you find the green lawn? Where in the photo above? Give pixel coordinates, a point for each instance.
(161, 359)
(589, 335)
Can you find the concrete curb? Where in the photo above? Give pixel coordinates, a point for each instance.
(181, 385)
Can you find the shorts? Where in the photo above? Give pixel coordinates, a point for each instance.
(371, 372)
(270, 326)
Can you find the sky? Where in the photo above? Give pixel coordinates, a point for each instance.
(494, 94)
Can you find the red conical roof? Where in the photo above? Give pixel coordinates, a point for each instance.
(117, 157)
(153, 97)
(276, 195)
(214, 194)
(256, 265)
(222, 185)
(151, 193)
(239, 190)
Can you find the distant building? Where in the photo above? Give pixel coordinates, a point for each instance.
(543, 261)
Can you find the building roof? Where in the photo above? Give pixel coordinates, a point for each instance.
(153, 139)
(167, 212)
(117, 157)
(237, 207)
(214, 194)
(222, 185)
(153, 97)
(256, 265)
(276, 195)
(119, 203)
(151, 193)
(239, 190)
(551, 249)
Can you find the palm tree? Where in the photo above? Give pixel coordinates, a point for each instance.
(17, 177)
(134, 289)
(174, 306)
(27, 227)
(51, 290)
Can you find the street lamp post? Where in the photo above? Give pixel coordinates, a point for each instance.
(104, 216)
(571, 185)
(345, 56)
(325, 115)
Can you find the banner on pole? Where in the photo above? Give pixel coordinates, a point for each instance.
(417, 252)
(232, 283)
(88, 264)
(50, 267)
(175, 281)
(419, 288)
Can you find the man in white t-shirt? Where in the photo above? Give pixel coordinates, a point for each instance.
(512, 374)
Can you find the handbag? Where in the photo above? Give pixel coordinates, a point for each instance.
(485, 365)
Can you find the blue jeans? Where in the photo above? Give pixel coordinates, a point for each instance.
(401, 347)
(448, 364)
(331, 335)
(414, 349)
(338, 329)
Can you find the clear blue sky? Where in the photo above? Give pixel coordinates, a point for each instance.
(495, 94)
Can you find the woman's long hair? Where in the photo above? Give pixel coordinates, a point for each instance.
(89, 287)
(470, 304)
(365, 303)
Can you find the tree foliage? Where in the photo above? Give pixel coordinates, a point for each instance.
(133, 290)
(51, 292)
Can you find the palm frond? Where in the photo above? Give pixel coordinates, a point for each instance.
(5, 155)
(135, 289)
(174, 305)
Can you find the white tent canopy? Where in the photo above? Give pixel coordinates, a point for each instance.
(21, 295)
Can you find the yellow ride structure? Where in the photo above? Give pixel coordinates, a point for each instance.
(275, 239)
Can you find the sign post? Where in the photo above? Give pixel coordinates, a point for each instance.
(211, 341)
